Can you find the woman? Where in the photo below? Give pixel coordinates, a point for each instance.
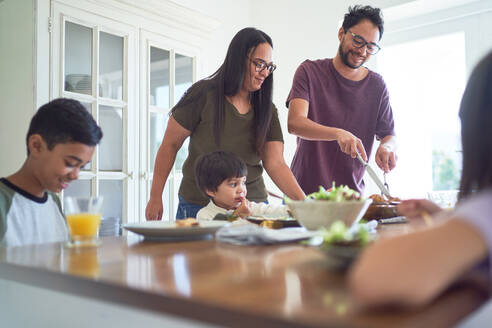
(230, 110)
(426, 262)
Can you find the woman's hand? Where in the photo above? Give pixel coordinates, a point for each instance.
(414, 208)
(153, 211)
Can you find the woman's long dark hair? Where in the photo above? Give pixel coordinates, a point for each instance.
(476, 130)
(228, 80)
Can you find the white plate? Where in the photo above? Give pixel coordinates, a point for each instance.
(169, 229)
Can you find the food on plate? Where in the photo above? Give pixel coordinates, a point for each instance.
(382, 199)
(225, 217)
(377, 198)
(188, 222)
(272, 224)
(335, 194)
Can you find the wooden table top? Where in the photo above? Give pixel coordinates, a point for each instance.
(264, 286)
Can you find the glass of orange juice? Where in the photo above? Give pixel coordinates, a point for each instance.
(83, 261)
(83, 218)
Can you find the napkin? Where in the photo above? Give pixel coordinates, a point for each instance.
(252, 234)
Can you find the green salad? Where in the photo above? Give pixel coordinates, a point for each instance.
(335, 194)
(339, 233)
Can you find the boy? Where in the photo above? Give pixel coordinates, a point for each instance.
(221, 176)
(61, 139)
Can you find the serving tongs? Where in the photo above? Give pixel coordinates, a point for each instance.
(373, 175)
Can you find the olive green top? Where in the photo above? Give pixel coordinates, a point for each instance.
(237, 136)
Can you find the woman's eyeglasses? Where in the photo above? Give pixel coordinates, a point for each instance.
(260, 65)
(359, 42)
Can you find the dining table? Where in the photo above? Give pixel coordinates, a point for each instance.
(130, 281)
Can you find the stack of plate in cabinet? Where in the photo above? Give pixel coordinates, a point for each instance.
(80, 83)
(110, 226)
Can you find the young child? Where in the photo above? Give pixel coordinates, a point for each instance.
(61, 139)
(221, 176)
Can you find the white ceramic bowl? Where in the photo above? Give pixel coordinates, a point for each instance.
(315, 214)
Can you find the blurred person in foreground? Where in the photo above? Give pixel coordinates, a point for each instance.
(427, 261)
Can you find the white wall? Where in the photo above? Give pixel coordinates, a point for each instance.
(232, 15)
(17, 96)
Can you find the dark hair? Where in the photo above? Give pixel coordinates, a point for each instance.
(358, 12)
(228, 80)
(476, 129)
(64, 120)
(213, 168)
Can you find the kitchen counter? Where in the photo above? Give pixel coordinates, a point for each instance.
(200, 282)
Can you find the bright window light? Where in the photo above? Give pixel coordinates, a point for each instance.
(426, 80)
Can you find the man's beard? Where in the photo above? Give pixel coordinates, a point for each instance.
(344, 57)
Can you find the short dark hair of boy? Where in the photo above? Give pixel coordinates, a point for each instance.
(64, 120)
(357, 13)
(213, 168)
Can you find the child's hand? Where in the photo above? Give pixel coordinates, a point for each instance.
(244, 209)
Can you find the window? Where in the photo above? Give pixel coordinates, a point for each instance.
(426, 80)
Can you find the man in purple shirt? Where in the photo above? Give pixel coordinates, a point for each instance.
(337, 106)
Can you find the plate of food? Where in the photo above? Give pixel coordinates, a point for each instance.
(175, 229)
(274, 222)
(382, 208)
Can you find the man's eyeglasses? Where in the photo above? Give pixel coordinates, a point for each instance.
(260, 65)
(359, 42)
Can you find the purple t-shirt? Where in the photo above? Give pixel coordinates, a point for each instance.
(360, 107)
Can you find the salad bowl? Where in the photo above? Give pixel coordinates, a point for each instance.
(321, 209)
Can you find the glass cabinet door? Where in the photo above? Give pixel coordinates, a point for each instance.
(78, 58)
(170, 74)
(95, 72)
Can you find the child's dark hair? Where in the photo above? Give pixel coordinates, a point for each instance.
(213, 168)
(64, 120)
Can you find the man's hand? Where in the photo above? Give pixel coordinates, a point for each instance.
(244, 209)
(386, 158)
(350, 144)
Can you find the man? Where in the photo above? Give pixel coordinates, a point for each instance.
(340, 100)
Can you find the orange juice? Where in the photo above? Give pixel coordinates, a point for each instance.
(84, 263)
(83, 226)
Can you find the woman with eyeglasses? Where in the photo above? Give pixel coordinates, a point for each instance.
(230, 110)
